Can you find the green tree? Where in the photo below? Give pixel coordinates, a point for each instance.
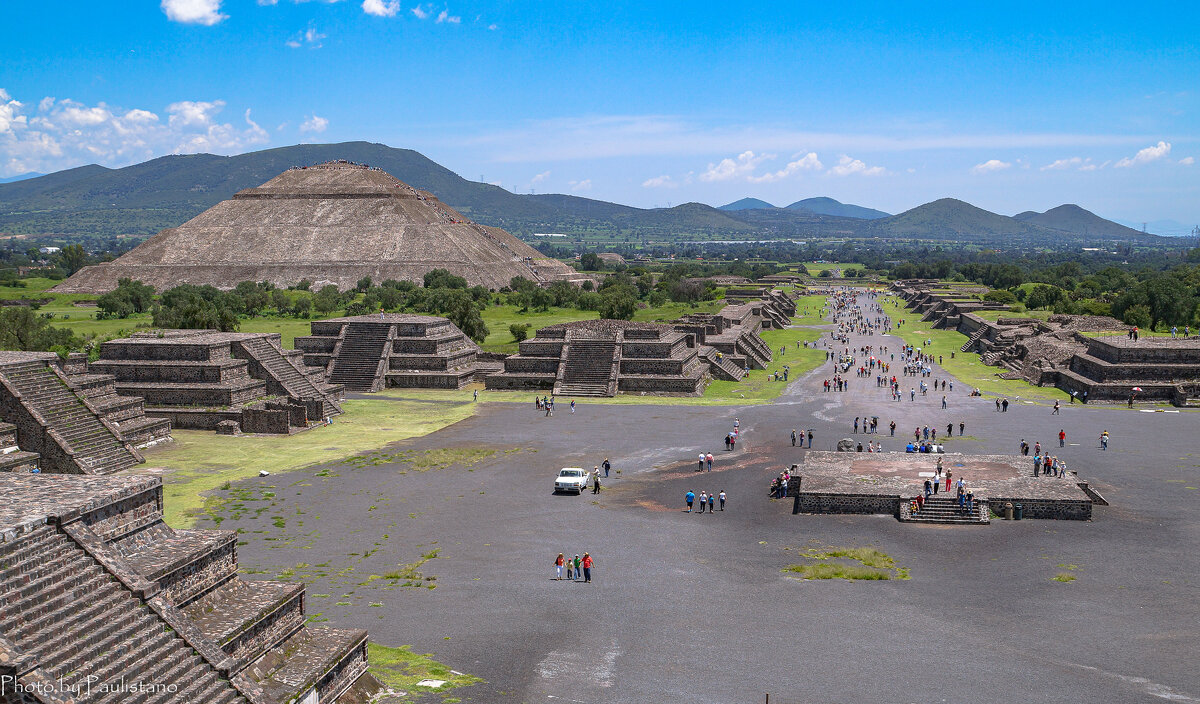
(128, 298)
(618, 302)
(72, 258)
(302, 308)
(327, 299)
(23, 330)
(519, 331)
(198, 308)
(442, 278)
(590, 261)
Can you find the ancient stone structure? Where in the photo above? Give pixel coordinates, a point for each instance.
(199, 378)
(885, 483)
(332, 223)
(69, 420)
(1057, 352)
(602, 357)
(99, 594)
(369, 352)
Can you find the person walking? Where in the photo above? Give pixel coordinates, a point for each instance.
(1056, 409)
(892, 428)
(570, 570)
(587, 568)
(578, 573)
(558, 565)
(962, 427)
(1104, 440)
(689, 497)
(1062, 437)
(1004, 406)
(712, 503)
(596, 483)
(943, 403)
(700, 463)
(607, 466)
(722, 498)
(810, 438)
(572, 406)
(793, 437)
(708, 460)
(703, 501)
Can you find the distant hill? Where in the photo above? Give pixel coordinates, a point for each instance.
(165, 192)
(950, 218)
(828, 206)
(21, 177)
(746, 204)
(1072, 218)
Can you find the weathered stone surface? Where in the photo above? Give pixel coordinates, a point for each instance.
(332, 223)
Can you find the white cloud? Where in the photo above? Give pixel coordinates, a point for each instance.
(381, 8)
(539, 178)
(990, 166)
(1145, 156)
(67, 133)
(493, 27)
(1188, 160)
(420, 13)
(663, 181)
(445, 16)
(44, 104)
(847, 166)
(314, 124)
(809, 162)
(584, 185)
(1060, 164)
(309, 37)
(727, 169)
(205, 12)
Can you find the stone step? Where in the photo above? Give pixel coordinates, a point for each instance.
(32, 546)
(51, 631)
(168, 670)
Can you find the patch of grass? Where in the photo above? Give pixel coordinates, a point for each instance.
(848, 563)
(837, 570)
(808, 310)
(400, 669)
(425, 460)
(756, 386)
(1063, 577)
(200, 461)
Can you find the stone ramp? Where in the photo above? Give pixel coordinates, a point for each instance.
(80, 441)
(588, 367)
(72, 619)
(357, 362)
(285, 373)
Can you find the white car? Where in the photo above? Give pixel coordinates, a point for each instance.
(572, 479)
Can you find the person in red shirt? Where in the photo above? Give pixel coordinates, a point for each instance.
(587, 567)
(1062, 437)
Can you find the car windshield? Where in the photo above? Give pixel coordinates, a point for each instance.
(571, 473)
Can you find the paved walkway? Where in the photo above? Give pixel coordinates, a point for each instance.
(688, 607)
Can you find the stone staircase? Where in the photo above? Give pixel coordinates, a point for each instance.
(976, 337)
(721, 366)
(941, 508)
(12, 457)
(88, 443)
(75, 620)
(589, 368)
(285, 372)
(360, 352)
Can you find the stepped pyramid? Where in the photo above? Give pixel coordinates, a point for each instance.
(333, 223)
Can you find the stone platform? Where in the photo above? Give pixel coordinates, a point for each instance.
(872, 483)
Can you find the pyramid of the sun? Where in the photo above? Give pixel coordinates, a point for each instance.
(331, 223)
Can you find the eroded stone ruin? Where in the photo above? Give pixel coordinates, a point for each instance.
(333, 223)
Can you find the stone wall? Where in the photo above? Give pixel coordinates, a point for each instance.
(1056, 509)
(191, 581)
(126, 515)
(819, 502)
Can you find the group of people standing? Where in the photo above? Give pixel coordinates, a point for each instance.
(576, 568)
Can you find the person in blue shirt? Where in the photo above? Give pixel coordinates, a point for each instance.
(690, 498)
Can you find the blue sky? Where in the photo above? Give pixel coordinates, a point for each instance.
(1012, 106)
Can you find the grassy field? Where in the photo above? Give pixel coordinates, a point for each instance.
(816, 269)
(199, 461)
(813, 304)
(966, 366)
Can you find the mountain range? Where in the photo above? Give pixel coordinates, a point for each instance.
(144, 198)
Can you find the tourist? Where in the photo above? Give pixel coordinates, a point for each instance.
(570, 570)
(578, 572)
(1004, 406)
(928, 488)
(1062, 437)
(700, 463)
(558, 565)
(722, 498)
(703, 501)
(962, 427)
(949, 473)
(690, 497)
(1104, 440)
(943, 403)
(587, 568)
(1056, 408)
(793, 437)
(949, 430)
(997, 404)
(810, 438)
(476, 395)
(708, 459)
(572, 406)
(596, 483)
(607, 466)
(727, 443)
(712, 503)
(892, 428)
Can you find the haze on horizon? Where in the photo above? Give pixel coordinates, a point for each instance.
(1018, 108)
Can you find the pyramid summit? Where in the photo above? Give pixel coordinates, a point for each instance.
(332, 223)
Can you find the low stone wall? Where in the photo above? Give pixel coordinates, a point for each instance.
(426, 380)
(126, 515)
(1149, 351)
(519, 382)
(267, 420)
(1055, 509)
(195, 418)
(659, 384)
(193, 580)
(819, 502)
(654, 366)
(267, 631)
(174, 372)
